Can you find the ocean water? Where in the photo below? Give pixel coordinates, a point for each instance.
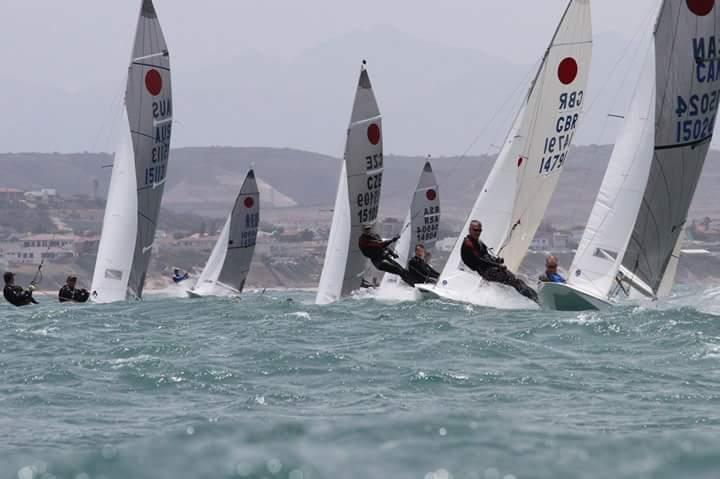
(272, 386)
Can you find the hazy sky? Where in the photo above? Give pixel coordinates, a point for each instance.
(57, 49)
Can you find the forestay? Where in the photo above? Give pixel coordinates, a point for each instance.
(227, 269)
(688, 79)
(148, 109)
(513, 201)
(422, 223)
(604, 242)
(358, 197)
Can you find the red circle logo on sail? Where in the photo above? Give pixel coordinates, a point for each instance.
(153, 82)
(249, 202)
(701, 7)
(431, 195)
(567, 71)
(373, 133)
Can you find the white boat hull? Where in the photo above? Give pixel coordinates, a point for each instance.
(562, 297)
(488, 295)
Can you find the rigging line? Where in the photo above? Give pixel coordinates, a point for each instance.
(492, 119)
(636, 52)
(37, 279)
(412, 218)
(638, 32)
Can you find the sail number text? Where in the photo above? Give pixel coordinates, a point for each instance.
(556, 147)
(696, 116)
(162, 115)
(368, 203)
(429, 230)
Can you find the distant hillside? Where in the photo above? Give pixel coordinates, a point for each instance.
(204, 181)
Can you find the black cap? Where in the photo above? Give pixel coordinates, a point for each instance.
(8, 276)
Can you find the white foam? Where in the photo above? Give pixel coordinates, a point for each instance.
(396, 292)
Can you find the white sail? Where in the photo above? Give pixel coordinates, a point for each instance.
(668, 281)
(227, 269)
(513, 201)
(148, 109)
(114, 258)
(687, 72)
(358, 197)
(422, 223)
(211, 272)
(602, 248)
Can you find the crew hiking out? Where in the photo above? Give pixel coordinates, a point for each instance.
(476, 256)
(379, 252)
(70, 293)
(419, 269)
(16, 295)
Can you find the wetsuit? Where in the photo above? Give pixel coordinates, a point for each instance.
(476, 256)
(67, 294)
(421, 272)
(552, 278)
(17, 296)
(376, 250)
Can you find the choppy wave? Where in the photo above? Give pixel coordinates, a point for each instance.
(273, 386)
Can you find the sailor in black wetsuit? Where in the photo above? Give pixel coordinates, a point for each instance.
(378, 251)
(69, 292)
(419, 271)
(16, 295)
(476, 256)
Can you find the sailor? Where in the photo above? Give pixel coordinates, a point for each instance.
(179, 276)
(365, 284)
(70, 293)
(419, 270)
(378, 251)
(16, 295)
(476, 256)
(551, 271)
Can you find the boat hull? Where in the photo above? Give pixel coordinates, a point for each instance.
(562, 297)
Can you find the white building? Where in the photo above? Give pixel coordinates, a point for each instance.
(35, 248)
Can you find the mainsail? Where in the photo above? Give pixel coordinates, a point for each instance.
(358, 197)
(513, 201)
(422, 223)
(148, 109)
(229, 263)
(688, 75)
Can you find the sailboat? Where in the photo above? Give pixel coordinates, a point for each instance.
(634, 236)
(358, 197)
(227, 268)
(421, 225)
(139, 168)
(513, 201)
